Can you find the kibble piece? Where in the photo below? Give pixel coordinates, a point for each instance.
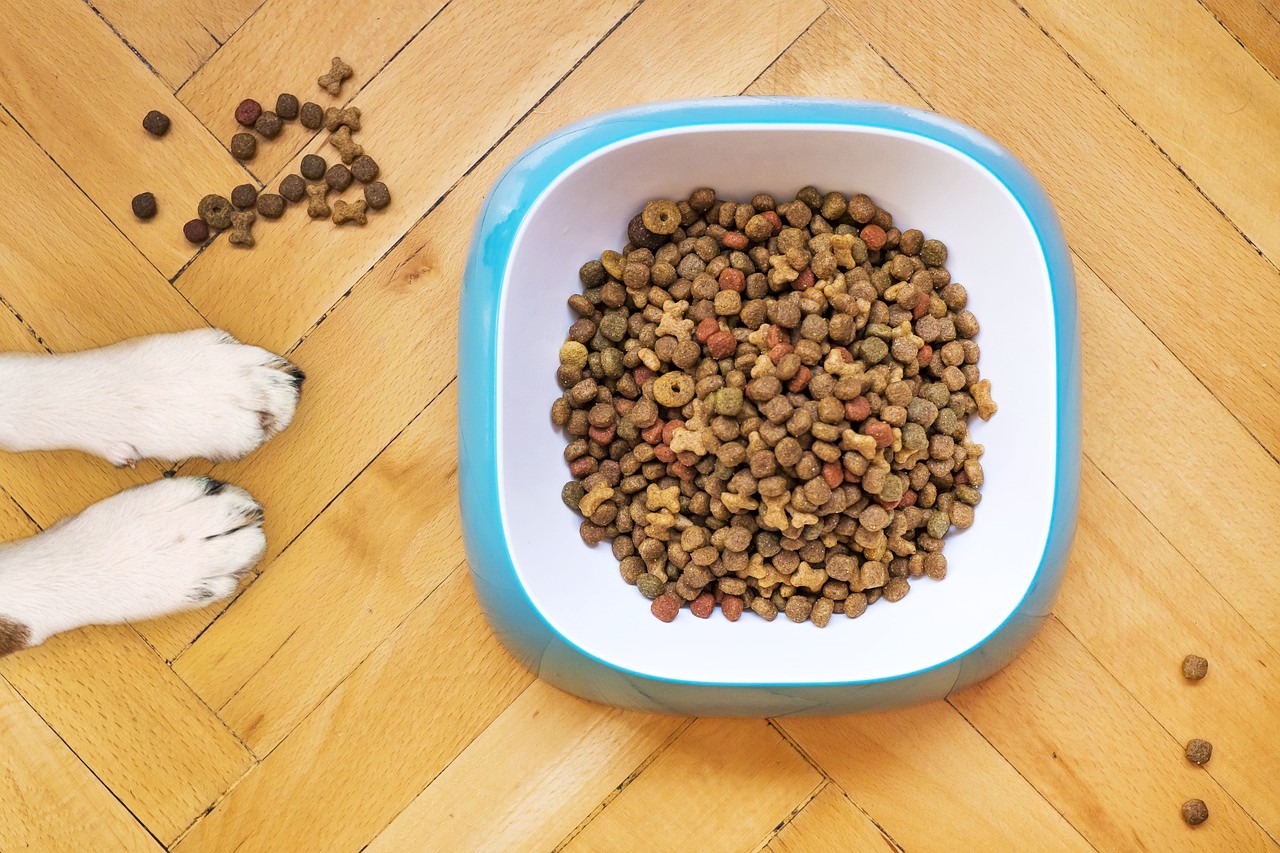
(247, 112)
(241, 228)
(196, 231)
(377, 195)
(1199, 751)
(244, 146)
(349, 211)
(271, 206)
(293, 187)
(348, 149)
(215, 211)
(313, 167)
(287, 106)
(661, 216)
(268, 125)
(336, 117)
(144, 205)
(1194, 667)
(666, 607)
(244, 196)
(1195, 812)
(155, 123)
(317, 207)
(311, 115)
(331, 80)
(364, 168)
(338, 177)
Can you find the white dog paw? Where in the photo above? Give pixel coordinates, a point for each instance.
(171, 545)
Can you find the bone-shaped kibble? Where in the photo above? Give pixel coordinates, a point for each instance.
(348, 149)
(842, 248)
(687, 439)
(331, 81)
(764, 366)
(336, 117)
(782, 272)
(241, 228)
(591, 500)
(808, 577)
(657, 498)
(349, 211)
(737, 504)
(317, 207)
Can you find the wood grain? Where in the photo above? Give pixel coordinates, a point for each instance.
(1256, 24)
(830, 822)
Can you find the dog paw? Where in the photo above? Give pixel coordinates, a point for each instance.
(171, 545)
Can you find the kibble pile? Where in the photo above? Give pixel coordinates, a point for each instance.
(767, 406)
(247, 204)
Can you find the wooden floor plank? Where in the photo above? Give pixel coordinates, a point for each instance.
(932, 781)
(536, 772)
(1134, 228)
(81, 93)
(722, 785)
(459, 108)
(49, 801)
(175, 37)
(147, 737)
(1255, 24)
(1203, 72)
(1076, 734)
(378, 739)
(375, 554)
(831, 822)
(309, 33)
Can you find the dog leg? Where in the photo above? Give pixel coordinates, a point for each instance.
(171, 397)
(170, 545)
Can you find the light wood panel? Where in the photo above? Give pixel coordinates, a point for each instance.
(830, 822)
(1256, 24)
(82, 94)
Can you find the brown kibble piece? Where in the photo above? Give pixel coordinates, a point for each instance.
(661, 216)
(215, 211)
(336, 117)
(1199, 751)
(348, 149)
(338, 177)
(313, 167)
(144, 205)
(331, 80)
(287, 106)
(311, 116)
(244, 196)
(317, 207)
(247, 112)
(242, 228)
(1194, 812)
(293, 188)
(1194, 667)
(365, 169)
(196, 231)
(377, 195)
(155, 123)
(244, 146)
(268, 125)
(271, 206)
(349, 211)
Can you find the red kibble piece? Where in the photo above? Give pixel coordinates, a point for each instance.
(623, 405)
(800, 381)
(962, 479)
(665, 607)
(850, 477)
(663, 453)
(669, 430)
(881, 432)
(908, 498)
(804, 281)
(774, 220)
(248, 111)
(641, 375)
(703, 605)
(925, 355)
(857, 409)
(706, 329)
(195, 231)
(833, 473)
(777, 351)
(687, 457)
(922, 307)
(873, 236)
(582, 466)
(731, 279)
(845, 355)
(681, 470)
(776, 335)
(601, 435)
(722, 344)
(735, 240)
(731, 607)
(652, 434)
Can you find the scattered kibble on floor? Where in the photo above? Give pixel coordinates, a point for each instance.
(311, 116)
(244, 196)
(331, 80)
(377, 195)
(336, 117)
(1199, 751)
(349, 211)
(268, 125)
(348, 148)
(1194, 667)
(365, 169)
(317, 207)
(338, 177)
(271, 206)
(244, 146)
(196, 231)
(242, 229)
(313, 167)
(247, 112)
(144, 205)
(155, 123)
(1195, 812)
(287, 106)
(216, 211)
(293, 187)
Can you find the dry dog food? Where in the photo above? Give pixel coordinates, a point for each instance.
(268, 125)
(311, 115)
(293, 187)
(242, 228)
(155, 123)
(348, 149)
(247, 112)
(244, 196)
(365, 169)
(1194, 667)
(287, 106)
(271, 206)
(767, 405)
(338, 177)
(1195, 812)
(215, 211)
(336, 117)
(144, 205)
(317, 207)
(1199, 751)
(377, 195)
(244, 146)
(196, 231)
(313, 167)
(349, 211)
(331, 80)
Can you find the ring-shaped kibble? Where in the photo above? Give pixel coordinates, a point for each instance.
(673, 389)
(661, 216)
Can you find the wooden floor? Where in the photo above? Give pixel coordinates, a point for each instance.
(352, 694)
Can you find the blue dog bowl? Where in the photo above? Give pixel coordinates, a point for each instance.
(560, 606)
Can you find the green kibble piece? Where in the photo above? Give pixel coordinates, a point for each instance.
(573, 354)
(728, 402)
(613, 326)
(933, 253)
(874, 350)
(611, 362)
(968, 494)
(939, 524)
(650, 585)
(572, 495)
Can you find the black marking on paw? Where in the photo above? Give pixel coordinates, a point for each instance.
(212, 486)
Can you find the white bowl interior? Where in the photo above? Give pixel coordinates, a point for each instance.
(993, 250)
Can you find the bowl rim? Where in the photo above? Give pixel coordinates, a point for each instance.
(511, 611)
